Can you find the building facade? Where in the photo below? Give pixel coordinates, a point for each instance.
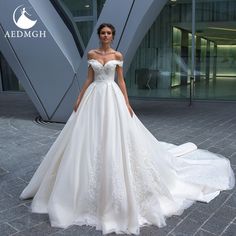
(175, 49)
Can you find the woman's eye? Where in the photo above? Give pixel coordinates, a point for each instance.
(109, 33)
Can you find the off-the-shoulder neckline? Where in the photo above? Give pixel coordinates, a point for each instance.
(106, 62)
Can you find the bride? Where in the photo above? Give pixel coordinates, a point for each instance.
(105, 169)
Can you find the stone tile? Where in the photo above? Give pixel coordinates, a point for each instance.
(232, 136)
(3, 171)
(42, 229)
(230, 231)
(188, 211)
(187, 227)
(15, 191)
(216, 224)
(80, 230)
(214, 139)
(205, 144)
(12, 186)
(28, 221)
(9, 203)
(215, 149)
(11, 183)
(204, 233)
(231, 201)
(229, 151)
(3, 195)
(13, 213)
(233, 144)
(209, 208)
(233, 159)
(226, 212)
(172, 222)
(153, 231)
(6, 230)
(177, 234)
(26, 173)
(199, 139)
(198, 216)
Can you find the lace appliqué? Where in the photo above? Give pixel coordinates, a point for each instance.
(94, 185)
(147, 184)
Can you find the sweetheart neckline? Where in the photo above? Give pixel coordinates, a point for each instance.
(104, 63)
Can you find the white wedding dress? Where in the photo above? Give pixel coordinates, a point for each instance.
(105, 169)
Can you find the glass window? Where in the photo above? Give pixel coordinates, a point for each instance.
(85, 14)
(215, 29)
(162, 65)
(100, 4)
(212, 57)
(176, 63)
(80, 8)
(85, 28)
(203, 50)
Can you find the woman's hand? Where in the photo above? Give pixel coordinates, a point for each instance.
(130, 110)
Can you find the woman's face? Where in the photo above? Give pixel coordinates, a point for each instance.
(106, 35)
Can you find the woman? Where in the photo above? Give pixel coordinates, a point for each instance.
(107, 170)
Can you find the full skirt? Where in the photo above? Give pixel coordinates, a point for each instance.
(105, 169)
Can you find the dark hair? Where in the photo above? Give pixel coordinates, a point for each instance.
(113, 30)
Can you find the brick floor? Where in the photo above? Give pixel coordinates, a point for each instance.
(23, 143)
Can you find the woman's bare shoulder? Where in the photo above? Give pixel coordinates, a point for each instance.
(119, 56)
(91, 53)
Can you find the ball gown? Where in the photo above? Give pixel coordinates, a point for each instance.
(105, 169)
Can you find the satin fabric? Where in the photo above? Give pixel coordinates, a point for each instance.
(105, 169)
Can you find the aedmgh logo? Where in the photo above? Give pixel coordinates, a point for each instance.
(23, 19)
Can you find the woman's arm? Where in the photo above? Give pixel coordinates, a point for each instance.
(88, 81)
(121, 83)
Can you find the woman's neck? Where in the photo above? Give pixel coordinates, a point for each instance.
(105, 48)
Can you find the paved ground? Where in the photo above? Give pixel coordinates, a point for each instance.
(23, 143)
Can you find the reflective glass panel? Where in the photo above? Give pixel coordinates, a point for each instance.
(85, 28)
(80, 8)
(216, 33)
(161, 66)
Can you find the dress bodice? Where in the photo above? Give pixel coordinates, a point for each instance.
(104, 72)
